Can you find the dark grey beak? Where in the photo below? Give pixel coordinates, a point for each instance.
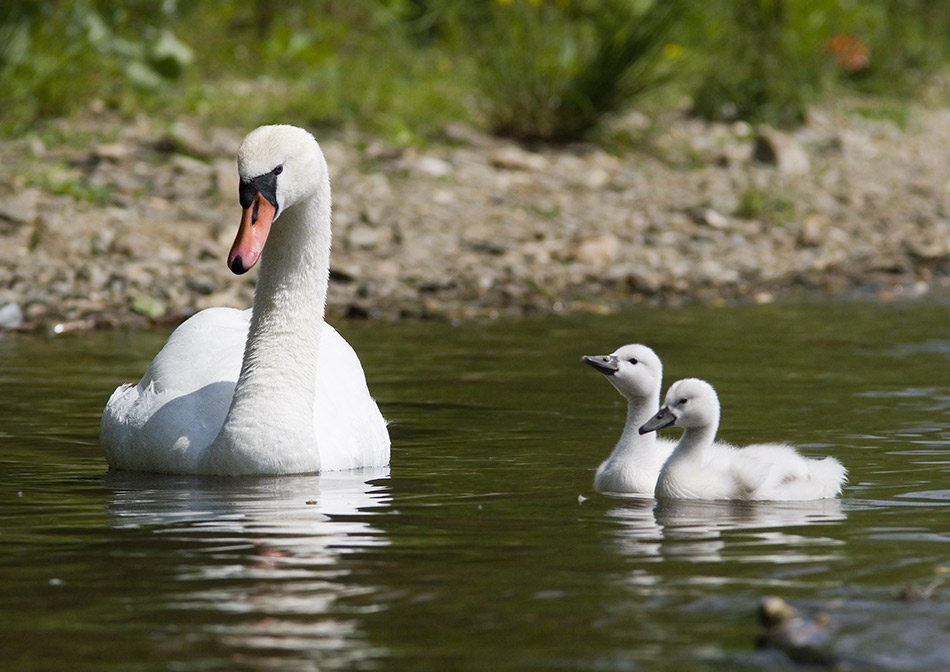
(663, 418)
(606, 364)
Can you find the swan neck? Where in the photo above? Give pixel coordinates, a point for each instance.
(277, 382)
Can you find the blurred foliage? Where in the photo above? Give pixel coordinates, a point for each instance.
(552, 70)
(770, 60)
(55, 55)
(532, 69)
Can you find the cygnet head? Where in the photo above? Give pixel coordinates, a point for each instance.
(690, 403)
(278, 166)
(633, 369)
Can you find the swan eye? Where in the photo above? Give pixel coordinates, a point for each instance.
(683, 401)
(633, 360)
(278, 170)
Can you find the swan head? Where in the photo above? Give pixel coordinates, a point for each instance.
(279, 166)
(635, 370)
(690, 403)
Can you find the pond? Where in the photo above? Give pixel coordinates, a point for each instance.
(483, 546)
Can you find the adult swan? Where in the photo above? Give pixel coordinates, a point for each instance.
(271, 390)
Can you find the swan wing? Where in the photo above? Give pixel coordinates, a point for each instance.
(165, 421)
(206, 348)
(826, 476)
(777, 471)
(351, 432)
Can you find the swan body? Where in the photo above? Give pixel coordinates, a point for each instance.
(701, 468)
(634, 464)
(273, 389)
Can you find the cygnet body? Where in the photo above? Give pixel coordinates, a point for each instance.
(633, 466)
(701, 468)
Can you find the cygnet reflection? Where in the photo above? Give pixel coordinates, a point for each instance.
(693, 530)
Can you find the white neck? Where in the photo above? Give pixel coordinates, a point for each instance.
(631, 440)
(693, 441)
(273, 400)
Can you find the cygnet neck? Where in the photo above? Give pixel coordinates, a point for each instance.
(639, 411)
(695, 439)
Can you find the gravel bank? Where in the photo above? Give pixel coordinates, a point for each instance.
(131, 223)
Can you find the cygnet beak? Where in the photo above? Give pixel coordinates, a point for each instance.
(663, 418)
(606, 364)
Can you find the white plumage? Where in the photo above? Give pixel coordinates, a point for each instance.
(634, 464)
(272, 390)
(701, 468)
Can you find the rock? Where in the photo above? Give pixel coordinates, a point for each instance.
(711, 218)
(781, 150)
(814, 229)
(596, 178)
(456, 131)
(512, 157)
(21, 207)
(113, 151)
(188, 165)
(599, 250)
(11, 316)
(188, 139)
(433, 166)
(148, 306)
(226, 178)
(802, 638)
(200, 285)
(365, 237)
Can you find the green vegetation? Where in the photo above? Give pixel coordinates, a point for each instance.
(771, 206)
(552, 70)
(549, 70)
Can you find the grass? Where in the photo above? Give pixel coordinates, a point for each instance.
(770, 206)
(548, 70)
(553, 71)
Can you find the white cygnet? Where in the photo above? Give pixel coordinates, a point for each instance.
(701, 468)
(633, 466)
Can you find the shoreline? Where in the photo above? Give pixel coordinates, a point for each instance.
(132, 225)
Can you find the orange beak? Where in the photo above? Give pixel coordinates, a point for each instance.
(251, 235)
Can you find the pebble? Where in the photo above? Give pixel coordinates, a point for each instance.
(512, 157)
(783, 151)
(11, 316)
(599, 250)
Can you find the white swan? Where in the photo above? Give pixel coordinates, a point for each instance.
(633, 466)
(702, 469)
(271, 390)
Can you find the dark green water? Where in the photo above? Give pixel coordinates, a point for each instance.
(476, 550)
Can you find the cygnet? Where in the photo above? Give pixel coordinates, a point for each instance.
(633, 466)
(701, 468)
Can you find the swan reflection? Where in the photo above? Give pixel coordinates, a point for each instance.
(692, 530)
(262, 562)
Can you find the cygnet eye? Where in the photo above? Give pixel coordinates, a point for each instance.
(683, 401)
(278, 170)
(633, 360)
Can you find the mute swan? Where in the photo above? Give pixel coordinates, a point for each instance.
(273, 389)
(633, 466)
(702, 469)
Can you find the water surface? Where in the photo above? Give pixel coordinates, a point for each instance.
(483, 545)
